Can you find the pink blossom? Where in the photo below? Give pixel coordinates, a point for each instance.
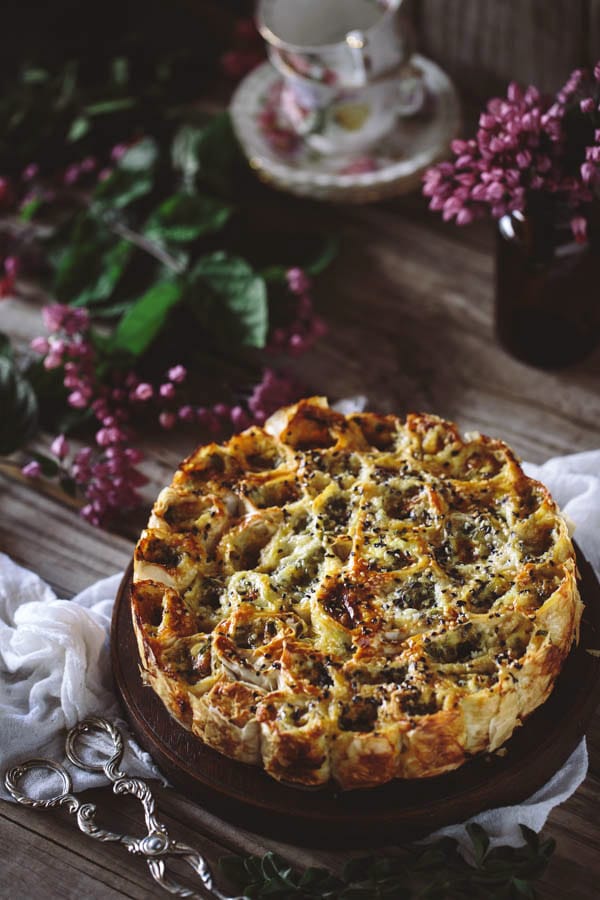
(72, 174)
(588, 172)
(118, 152)
(59, 447)
(187, 413)
(12, 265)
(59, 317)
(579, 229)
(32, 470)
(177, 374)
(464, 216)
(239, 418)
(202, 415)
(297, 344)
(40, 345)
(167, 390)
(52, 361)
(5, 191)
(297, 280)
(83, 456)
(167, 420)
(319, 327)
(30, 172)
(143, 392)
(133, 455)
(107, 436)
(89, 513)
(222, 410)
(271, 392)
(77, 399)
(587, 105)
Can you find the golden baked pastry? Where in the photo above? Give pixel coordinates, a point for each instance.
(354, 597)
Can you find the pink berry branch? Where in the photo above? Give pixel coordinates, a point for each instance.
(113, 385)
(105, 473)
(527, 149)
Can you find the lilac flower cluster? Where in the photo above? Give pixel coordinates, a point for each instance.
(523, 147)
(33, 186)
(271, 392)
(306, 327)
(107, 474)
(108, 479)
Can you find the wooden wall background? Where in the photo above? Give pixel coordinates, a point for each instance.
(485, 43)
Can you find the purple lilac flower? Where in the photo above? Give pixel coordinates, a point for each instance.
(178, 374)
(271, 392)
(521, 148)
(32, 469)
(60, 447)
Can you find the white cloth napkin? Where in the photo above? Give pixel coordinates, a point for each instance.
(55, 664)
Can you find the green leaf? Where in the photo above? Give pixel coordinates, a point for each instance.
(28, 211)
(274, 274)
(68, 485)
(119, 68)
(113, 265)
(79, 128)
(35, 76)
(183, 152)
(80, 261)
(436, 872)
(207, 153)
(49, 466)
(327, 253)
(50, 393)
(105, 107)
(113, 309)
(140, 156)
(185, 217)
(121, 189)
(90, 269)
(480, 841)
(140, 326)
(229, 299)
(6, 350)
(68, 85)
(19, 408)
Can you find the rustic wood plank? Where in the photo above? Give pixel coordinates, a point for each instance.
(41, 534)
(484, 43)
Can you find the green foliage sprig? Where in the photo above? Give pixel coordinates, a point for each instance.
(434, 871)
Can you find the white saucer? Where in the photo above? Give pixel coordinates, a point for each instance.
(394, 166)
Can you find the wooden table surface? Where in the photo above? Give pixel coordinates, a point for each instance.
(410, 306)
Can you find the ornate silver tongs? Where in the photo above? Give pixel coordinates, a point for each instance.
(155, 846)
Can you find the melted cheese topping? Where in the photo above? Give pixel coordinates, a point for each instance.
(354, 597)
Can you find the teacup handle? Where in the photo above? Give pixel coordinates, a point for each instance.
(356, 43)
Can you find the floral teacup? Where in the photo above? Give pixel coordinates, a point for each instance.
(335, 121)
(345, 65)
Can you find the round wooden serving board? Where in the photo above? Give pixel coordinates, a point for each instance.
(390, 814)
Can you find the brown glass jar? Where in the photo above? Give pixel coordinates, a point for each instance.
(547, 291)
